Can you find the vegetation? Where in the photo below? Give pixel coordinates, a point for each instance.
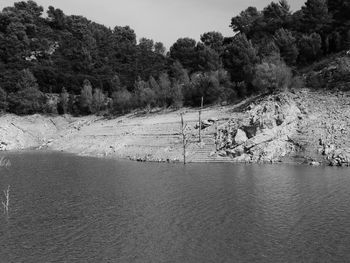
(69, 64)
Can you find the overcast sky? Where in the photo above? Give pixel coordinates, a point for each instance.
(161, 20)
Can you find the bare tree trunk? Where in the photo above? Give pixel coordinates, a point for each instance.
(216, 136)
(183, 127)
(200, 120)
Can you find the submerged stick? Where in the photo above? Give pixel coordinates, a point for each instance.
(6, 203)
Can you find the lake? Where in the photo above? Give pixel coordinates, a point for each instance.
(65, 208)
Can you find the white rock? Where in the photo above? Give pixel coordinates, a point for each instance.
(241, 137)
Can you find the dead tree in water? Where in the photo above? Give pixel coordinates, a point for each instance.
(184, 136)
(200, 120)
(6, 203)
(216, 136)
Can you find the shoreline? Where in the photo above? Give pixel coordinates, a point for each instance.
(291, 127)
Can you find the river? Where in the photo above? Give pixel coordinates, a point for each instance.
(65, 208)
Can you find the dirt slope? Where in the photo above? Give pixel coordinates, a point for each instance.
(299, 126)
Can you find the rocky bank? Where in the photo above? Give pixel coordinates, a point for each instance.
(300, 126)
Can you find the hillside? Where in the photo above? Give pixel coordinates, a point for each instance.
(299, 126)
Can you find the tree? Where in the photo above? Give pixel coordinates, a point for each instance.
(115, 84)
(268, 48)
(146, 44)
(244, 22)
(240, 58)
(124, 35)
(208, 58)
(340, 11)
(98, 100)
(184, 50)
(310, 47)
(159, 48)
(145, 95)
(26, 80)
(64, 100)
(86, 97)
(286, 43)
(179, 73)
(153, 84)
(29, 6)
(176, 95)
(3, 100)
(276, 16)
(213, 40)
(165, 88)
(56, 18)
(122, 100)
(27, 101)
(205, 85)
(316, 17)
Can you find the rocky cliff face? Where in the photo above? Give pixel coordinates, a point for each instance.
(263, 134)
(308, 126)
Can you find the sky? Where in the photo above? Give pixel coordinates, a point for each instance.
(160, 20)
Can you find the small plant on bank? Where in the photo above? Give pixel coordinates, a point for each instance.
(6, 203)
(4, 162)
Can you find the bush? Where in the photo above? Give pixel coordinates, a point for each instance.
(271, 77)
(242, 90)
(206, 85)
(50, 106)
(86, 98)
(310, 47)
(27, 101)
(26, 80)
(63, 102)
(122, 101)
(176, 95)
(98, 101)
(3, 100)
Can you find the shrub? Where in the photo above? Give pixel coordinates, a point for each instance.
(50, 106)
(98, 101)
(286, 43)
(3, 100)
(63, 102)
(26, 80)
(206, 85)
(122, 101)
(310, 47)
(271, 77)
(145, 96)
(164, 92)
(27, 101)
(86, 98)
(176, 95)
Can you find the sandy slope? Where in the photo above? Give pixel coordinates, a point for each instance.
(319, 130)
(153, 136)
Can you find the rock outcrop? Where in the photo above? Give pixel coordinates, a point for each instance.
(263, 134)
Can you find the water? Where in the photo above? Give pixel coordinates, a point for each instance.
(71, 209)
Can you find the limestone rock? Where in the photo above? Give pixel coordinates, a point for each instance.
(241, 137)
(314, 163)
(238, 151)
(244, 158)
(222, 153)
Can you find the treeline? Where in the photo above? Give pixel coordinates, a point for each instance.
(68, 64)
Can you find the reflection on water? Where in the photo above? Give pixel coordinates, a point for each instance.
(71, 209)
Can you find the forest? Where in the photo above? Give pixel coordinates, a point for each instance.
(53, 63)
